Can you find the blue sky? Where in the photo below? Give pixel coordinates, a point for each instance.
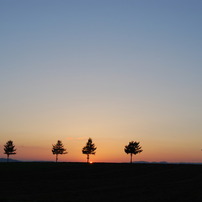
(112, 70)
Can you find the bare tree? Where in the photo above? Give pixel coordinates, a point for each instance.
(89, 149)
(133, 148)
(58, 148)
(9, 149)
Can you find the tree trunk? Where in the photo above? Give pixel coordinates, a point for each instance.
(131, 158)
(87, 158)
(7, 158)
(56, 158)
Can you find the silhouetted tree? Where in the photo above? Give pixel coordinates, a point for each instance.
(89, 149)
(133, 148)
(9, 149)
(58, 148)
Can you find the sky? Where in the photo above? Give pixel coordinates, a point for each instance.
(113, 70)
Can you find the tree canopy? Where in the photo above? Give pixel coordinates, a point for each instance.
(89, 149)
(133, 148)
(9, 149)
(58, 148)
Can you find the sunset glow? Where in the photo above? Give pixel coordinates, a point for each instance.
(115, 71)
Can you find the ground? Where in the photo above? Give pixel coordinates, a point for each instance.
(99, 182)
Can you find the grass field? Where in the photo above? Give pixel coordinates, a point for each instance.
(79, 182)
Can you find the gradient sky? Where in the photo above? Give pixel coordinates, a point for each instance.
(111, 70)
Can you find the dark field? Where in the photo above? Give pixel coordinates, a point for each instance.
(78, 182)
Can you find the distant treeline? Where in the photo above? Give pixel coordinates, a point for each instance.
(132, 148)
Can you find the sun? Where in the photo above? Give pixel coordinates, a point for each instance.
(90, 162)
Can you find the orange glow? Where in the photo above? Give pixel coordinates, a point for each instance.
(109, 149)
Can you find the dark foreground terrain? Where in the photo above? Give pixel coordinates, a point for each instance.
(78, 182)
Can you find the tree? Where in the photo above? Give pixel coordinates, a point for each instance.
(89, 149)
(9, 149)
(133, 148)
(58, 148)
